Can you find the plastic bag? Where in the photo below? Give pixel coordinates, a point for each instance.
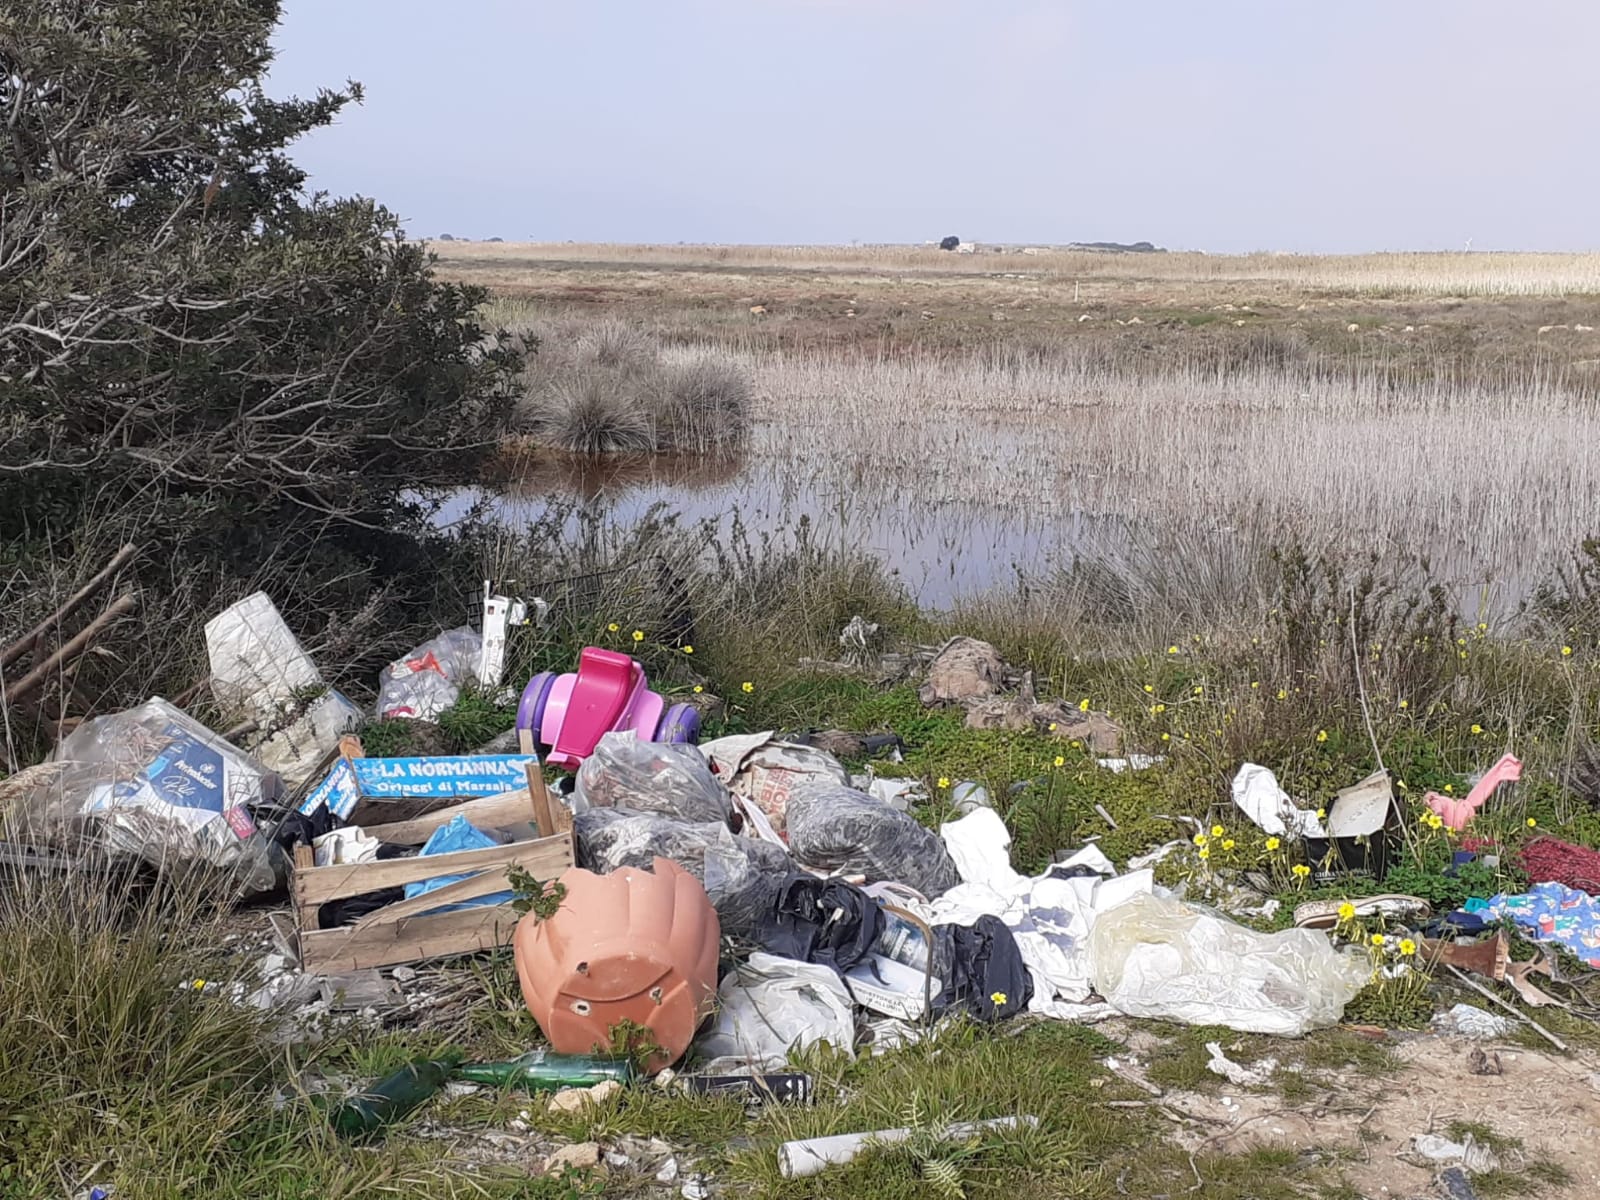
(770, 1006)
(457, 834)
(1156, 957)
(841, 829)
(155, 784)
(741, 875)
(427, 681)
(624, 772)
(766, 771)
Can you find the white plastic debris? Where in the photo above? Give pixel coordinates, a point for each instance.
(1432, 1148)
(1162, 958)
(898, 794)
(1473, 1022)
(1236, 1073)
(261, 673)
(811, 1156)
(1258, 796)
(772, 1005)
(427, 681)
(1133, 762)
(339, 847)
(1050, 918)
(1160, 854)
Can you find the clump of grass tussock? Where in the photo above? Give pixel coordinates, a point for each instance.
(608, 387)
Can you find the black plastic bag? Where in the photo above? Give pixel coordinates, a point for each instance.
(822, 921)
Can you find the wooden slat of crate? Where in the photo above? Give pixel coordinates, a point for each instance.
(489, 812)
(394, 934)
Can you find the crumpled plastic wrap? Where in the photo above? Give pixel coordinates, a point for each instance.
(741, 875)
(427, 681)
(1162, 958)
(672, 780)
(155, 784)
(770, 1006)
(840, 829)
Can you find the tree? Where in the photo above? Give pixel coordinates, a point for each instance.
(241, 372)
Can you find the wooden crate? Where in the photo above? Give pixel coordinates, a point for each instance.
(408, 930)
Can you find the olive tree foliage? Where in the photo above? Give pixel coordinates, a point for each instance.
(194, 350)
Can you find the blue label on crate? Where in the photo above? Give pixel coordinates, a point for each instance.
(404, 778)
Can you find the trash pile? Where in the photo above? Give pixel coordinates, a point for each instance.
(726, 904)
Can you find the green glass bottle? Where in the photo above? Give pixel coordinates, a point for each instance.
(542, 1071)
(391, 1098)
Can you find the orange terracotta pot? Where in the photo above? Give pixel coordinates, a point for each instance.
(633, 945)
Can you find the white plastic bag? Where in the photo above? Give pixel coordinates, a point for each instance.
(1258, 796)
(427, 681)
(772, 1005)
(1156, 957)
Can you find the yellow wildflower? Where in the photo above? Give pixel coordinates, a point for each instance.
(1205, 852)
(1200, 839)
(688, 649)
(1198, 690)
(1322, 814)
(1322, 735)
(1149, 688)
(1060, 762)
(638, 635)
(997, 998)
(1051, 727)
(1347, 911)
(1404, 704)
(944, 781)
(1273, 843)
(1083, 705)
(698, 689)
(1255, 683)
(747, 687)
(1532, 824)
(1216, 831)
(1300, 870)
(1172, 649)
(1377, 939)
(1166, 737)
(1476, 729)
(1407, 947)
(613, 627)
(1566, 652)
(1282, 695)
(1227, 843)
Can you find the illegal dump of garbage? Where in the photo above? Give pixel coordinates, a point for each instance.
(633, 944)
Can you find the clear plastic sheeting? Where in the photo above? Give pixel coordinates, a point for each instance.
(741, 875)
(671, 780)
(840, 829)
(1162, 958)
(427, 681)
(771, 1006)
(153, 783)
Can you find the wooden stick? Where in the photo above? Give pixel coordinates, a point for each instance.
(22, 645)
(1493, 999)
(544, 810)
(41, 674)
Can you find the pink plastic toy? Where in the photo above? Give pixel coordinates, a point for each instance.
(1457, 813)
(570, 713)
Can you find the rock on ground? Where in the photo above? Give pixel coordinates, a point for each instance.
(582, 1156)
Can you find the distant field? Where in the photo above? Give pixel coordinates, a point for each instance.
(1433, 274)
(966, 417)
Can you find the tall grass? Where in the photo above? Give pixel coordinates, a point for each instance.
(1395, 273)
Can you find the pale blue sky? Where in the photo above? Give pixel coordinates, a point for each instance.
(1207, 124)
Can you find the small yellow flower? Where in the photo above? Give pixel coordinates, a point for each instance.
(1273, 843)
(1322, 735)
(747, 687)
(1282, 695)
(1200, 839)
(1052, 726)
(1407, 947)
(1435, 821)
(698, 689)
(944, 781)
(1216, 831)
(1166, 737)
(1377, 939)
(1300, 870)
(199, 985)
(1322, 814)
(1476, 729)
(613, 627)
(1199, 690)
(688, 649)
(1060, 762)
(1404, 704)
(1149, 688)
(1347, 911)
(1449, 787)
(1172, 649)
(1532, 824)
(1160, 708)
(1566, 652)
(1227, 843)
(1083, 705)
(997, 998)
(638, 635)
(1461, 653)
(1205, 852)
(1255, 683)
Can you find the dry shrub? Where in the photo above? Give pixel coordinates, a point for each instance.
(606, 387)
